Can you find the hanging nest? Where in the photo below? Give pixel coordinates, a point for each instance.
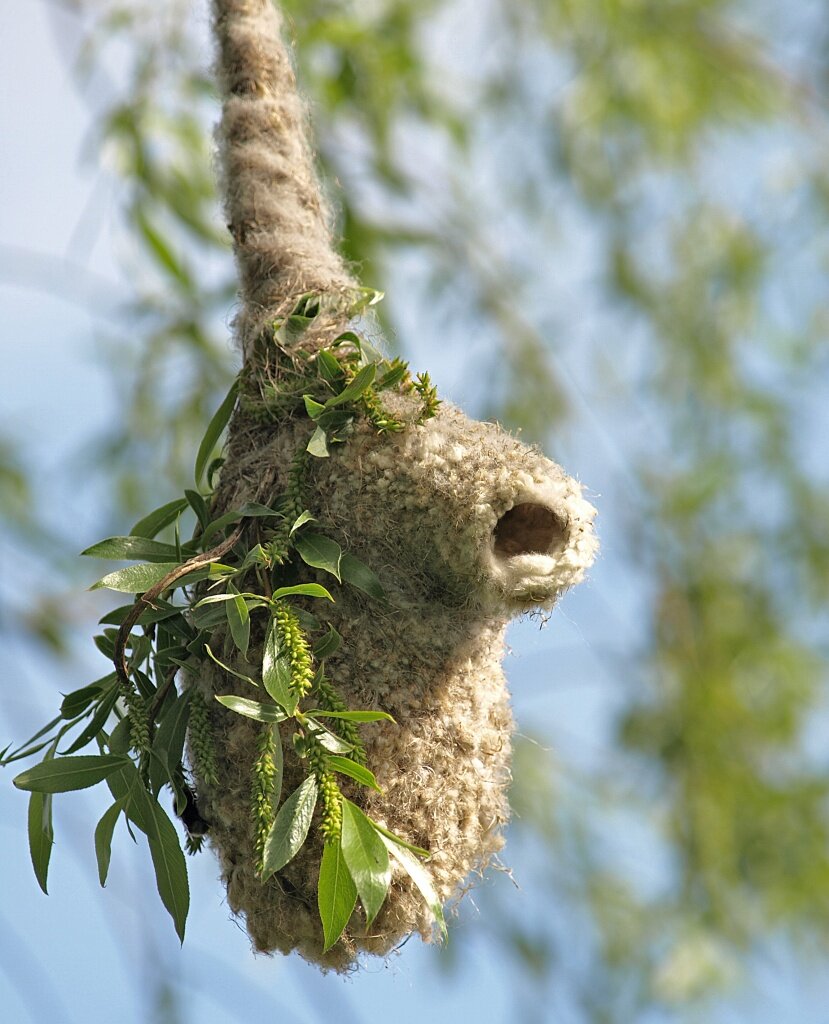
(328, 643)
(463, 527)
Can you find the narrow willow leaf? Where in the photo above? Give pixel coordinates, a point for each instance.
(250, 510)
(367, 859)
(400, 842)
(313, 408)
(199, 506)
(253, 708)
(214, 430)
(351, 716)
(155, 522)
(330, 740)
(420, 876)
(96, 723)
(106, 645)
(301, 520)
(302, 590)
(76, 702)
(168, 743)
(170, 869)
(345, 766)
(329, 367)
(318, 445)
(160, 611)
(21, 750)
(132, 549)
(103, 839)
(229, 670)
(238, 619)
(119, 738)
(327, 645)
(362, 380)
(135, 579)
(63, 774)
(278, 764)
(320, 552)
(336, 895)
(41, 835)
(290, 828)
(359, 575)
(169, 863)
(276, 671)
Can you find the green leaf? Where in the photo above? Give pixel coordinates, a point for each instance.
(301, 520)
(419, 875)
(76, 702)
(168, 860)
(362, 380)
(132, 548)
(214, 430)
(135, 579)
(199, 506)
(336, 895)
(276, 671)
(327, 645)
(367, 859)
(155, 522)
(329, 367)
(161, 251)
(62, 774)
(119, 738)
(312, 407)
(333, 743)
(168, 742)
(103, 838)
(302, 590)
(359, 575)
(290, 828)
(318, 445)
(96, 723)
(400, 842)
(238, 619)
(345, 766)
(229, 670)
(41, 835)
(351, 716)
(320, 552)
(250, 510)
(253, 708)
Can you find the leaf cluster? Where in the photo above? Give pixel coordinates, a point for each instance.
(237, 565)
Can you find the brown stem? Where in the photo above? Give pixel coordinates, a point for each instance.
(147, 598)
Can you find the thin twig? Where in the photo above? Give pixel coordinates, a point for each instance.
(146, 599)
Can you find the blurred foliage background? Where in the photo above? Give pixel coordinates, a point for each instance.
(614, 216)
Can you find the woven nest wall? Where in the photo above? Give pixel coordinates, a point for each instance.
(442, 513)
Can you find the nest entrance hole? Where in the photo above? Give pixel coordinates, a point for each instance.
(529, 529)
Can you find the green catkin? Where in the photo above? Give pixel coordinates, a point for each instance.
(292, 639)
(329, 700)
(201, 739)
(331, 823)
(139, 723)
(382, 421)
(293, 505)
(423, 385)
(264, 779)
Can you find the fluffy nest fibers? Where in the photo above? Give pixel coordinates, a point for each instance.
(465, 527)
